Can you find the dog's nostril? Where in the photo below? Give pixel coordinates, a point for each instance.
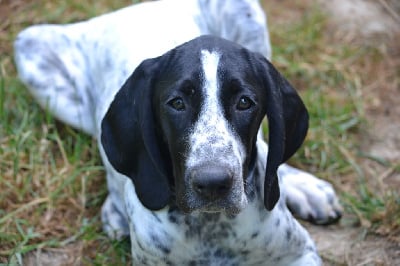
(212, 182)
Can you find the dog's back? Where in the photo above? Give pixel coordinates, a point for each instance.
(74, 76)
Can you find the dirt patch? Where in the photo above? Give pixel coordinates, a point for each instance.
(340, 245)
(364, 19)
(55, 257)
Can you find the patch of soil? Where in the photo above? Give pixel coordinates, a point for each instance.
(339, 245)
(54, 257)
(363, 19)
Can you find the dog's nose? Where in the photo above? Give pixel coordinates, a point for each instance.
(212, 182)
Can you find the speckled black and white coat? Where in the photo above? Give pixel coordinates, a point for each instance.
(188, 176)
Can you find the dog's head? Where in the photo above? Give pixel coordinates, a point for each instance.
(184, 126)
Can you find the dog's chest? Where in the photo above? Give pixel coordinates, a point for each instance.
(170, 238)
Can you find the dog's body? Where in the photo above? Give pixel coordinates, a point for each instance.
(197, 195)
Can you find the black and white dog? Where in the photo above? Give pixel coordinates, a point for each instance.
(189, 177)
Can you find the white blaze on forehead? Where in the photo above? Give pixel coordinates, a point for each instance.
(210, 62)
(211, 105)
(211, 139)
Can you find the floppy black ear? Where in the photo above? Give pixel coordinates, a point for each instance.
(288, 125)
(129, 139)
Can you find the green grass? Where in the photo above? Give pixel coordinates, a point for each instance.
(330, 77)
(51, 179)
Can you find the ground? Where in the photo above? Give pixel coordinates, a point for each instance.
(343, 56)
(376, 23)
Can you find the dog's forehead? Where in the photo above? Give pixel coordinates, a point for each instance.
(232, 61)
(193, 51)
(192, 64)
(210, 61)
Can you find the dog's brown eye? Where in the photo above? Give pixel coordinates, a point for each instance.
(177, 104)
(244, 103)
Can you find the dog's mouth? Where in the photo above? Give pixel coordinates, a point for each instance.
(229, 210)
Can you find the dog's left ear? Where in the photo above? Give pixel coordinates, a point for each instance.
(128, 136)
(287, 123)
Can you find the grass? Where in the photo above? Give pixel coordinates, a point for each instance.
(51, 179)
(331, 80)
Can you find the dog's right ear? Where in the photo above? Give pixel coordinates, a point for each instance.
(287, 122)
(129, 139)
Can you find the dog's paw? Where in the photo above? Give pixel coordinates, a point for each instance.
(114, 222)
(308, 197)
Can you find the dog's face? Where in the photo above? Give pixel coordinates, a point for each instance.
(208, 118)
(184, 126)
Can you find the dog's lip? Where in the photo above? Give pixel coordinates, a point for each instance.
(230, 210)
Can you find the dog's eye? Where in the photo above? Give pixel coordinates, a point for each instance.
(177, 103)
(244, 103)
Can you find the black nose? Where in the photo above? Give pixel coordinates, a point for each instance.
(211, 182)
